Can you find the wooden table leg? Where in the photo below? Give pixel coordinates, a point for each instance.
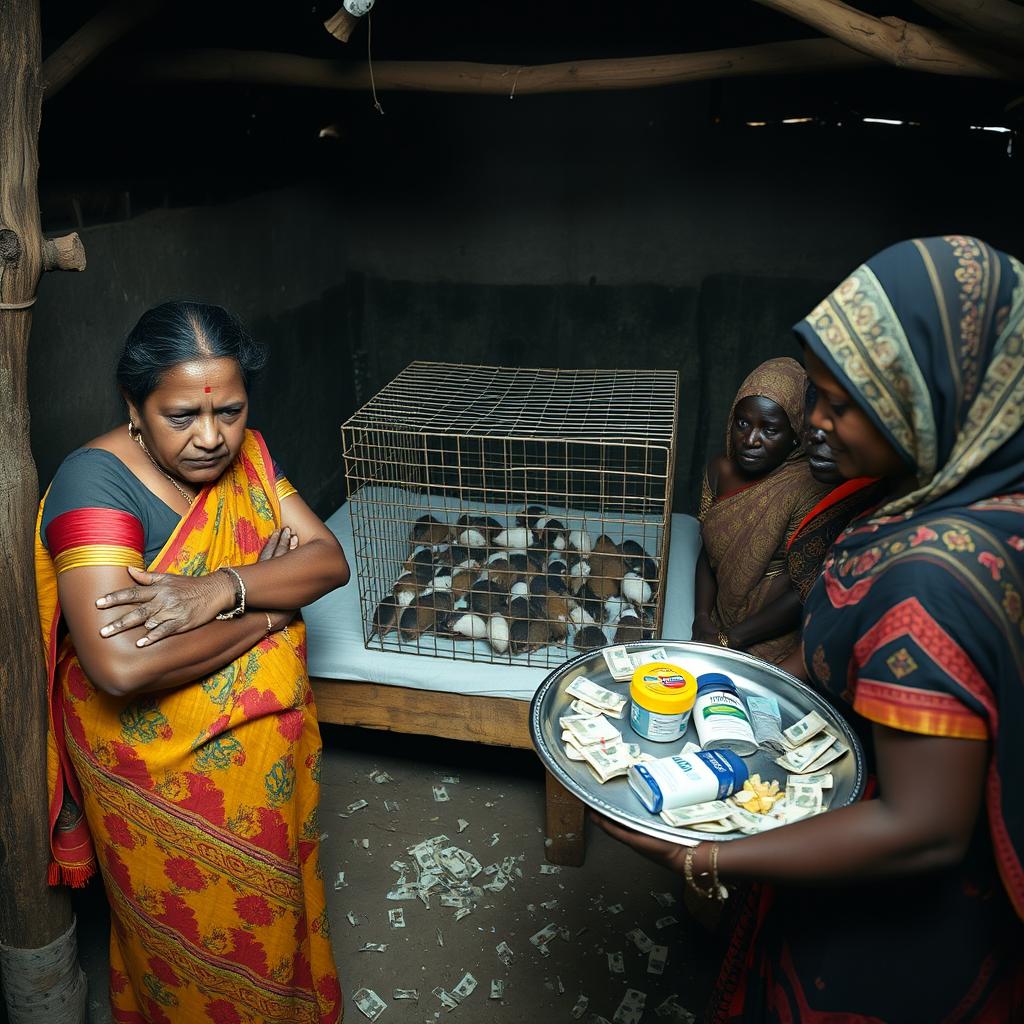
(565, 841)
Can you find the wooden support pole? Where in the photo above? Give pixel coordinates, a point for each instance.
(255, 67)
(96, 35)
(895, 41)
(41, 977)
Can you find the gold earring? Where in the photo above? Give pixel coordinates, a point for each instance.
(134, 433)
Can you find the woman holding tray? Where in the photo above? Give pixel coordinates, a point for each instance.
(754, 497)
(184, 752)
(906, 906)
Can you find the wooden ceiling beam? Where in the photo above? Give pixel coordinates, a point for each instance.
(283, 69)
(895, 41)
(95, 36)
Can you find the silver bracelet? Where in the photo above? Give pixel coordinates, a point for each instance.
(239, 608)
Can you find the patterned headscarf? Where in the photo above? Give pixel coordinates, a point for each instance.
(929, 337)
(782, 381)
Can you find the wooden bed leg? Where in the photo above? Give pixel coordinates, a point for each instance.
(564, 818)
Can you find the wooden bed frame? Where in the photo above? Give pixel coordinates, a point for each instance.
(496, 721)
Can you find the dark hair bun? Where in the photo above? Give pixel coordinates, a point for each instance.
(178, 332)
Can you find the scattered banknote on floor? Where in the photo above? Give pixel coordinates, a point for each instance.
(448, 1001)
(405, 993)
(579, 1007)
(656, 959)
(465, 987)
(672, 1011)
(370, 1004)
(640, 939)
(631, 1009)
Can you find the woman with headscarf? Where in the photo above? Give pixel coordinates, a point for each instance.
(754, 498)
(915, 626)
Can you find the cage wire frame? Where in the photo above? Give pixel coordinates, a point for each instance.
(586, 450)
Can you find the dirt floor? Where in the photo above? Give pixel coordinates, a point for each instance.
(500, 793)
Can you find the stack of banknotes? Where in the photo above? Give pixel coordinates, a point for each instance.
(589, 735)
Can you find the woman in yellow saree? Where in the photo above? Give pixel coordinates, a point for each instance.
(171, 559)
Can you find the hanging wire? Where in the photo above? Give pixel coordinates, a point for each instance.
(369, 61)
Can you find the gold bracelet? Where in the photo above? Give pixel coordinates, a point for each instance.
(723, 639)
(721, 893)
(270, 625)
(716, 891)
(239, 608)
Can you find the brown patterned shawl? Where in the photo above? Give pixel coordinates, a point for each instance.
(745, 533)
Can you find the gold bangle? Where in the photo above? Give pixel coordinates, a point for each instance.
(239, 608)
(716, 891)
(270, 625)
(723, 639)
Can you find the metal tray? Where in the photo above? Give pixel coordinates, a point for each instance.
(751, 675)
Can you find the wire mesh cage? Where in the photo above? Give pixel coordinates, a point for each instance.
(512, 515)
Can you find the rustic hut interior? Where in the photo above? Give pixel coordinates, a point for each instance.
(661, 190)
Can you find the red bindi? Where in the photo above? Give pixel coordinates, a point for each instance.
(207, 390)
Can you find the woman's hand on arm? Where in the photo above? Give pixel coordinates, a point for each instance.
(314, 566)
(166, 603)
(118, 666)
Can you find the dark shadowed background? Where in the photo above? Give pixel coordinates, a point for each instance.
(650, 228)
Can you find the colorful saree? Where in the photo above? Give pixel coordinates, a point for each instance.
(917, 624)
(745, 532)
(200, 802)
